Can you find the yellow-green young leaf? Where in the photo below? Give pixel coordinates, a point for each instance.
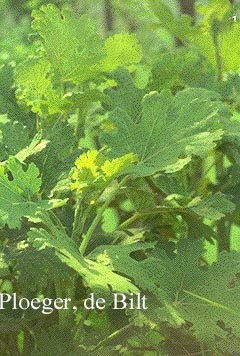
(94, 171)
(86, 172)
(72, 45)
(122, 50)
(34, 81)
(112, 168)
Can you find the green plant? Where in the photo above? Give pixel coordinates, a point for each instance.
(122, 176)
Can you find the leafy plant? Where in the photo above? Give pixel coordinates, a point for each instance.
(120, 174)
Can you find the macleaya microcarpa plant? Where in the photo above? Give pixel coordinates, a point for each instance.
(157, 160)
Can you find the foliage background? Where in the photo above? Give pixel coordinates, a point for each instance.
(153, 208)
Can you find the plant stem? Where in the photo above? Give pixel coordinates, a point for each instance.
(154, 187)
(61, 312)
(108, 16)
(59, 119)
(80, 125)
(65, 316)
(223, 226)
(77, 218)
(56, 221)
(111, 337)
(157, 211)
(223, 235)
(98, 217)
(79, 327)
(215, 37)
(202, 349)
(129, 221)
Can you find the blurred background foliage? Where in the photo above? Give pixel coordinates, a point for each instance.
(111, 16)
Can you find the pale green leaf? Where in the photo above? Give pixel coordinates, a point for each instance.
(72, 44)
(36, 146)
(122, 49)
(35, 86)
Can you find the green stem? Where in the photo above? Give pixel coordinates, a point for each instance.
(61, 312)
(129, 221)
(215, 37)
(78, 334)
(157, 211)
(56, 221)
(77, 218)
(80, 227)
(223, 235)
(223, 225)
(154, 187)
(214, 304)
(202, 349)
(38, 124)
(59, 119)
(111, 337)
(27, 344)
(80, 125)
(98, 217)
(66, 317)
(81, 216)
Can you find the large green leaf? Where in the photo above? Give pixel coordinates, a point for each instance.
(71, 43)
(125, 95)
(118, 258)
(97, 276)
(76, 51)
(179, 290)
(170, 130)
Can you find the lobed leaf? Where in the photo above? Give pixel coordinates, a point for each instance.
(18, 196)
(170, 130)
(179, 289)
